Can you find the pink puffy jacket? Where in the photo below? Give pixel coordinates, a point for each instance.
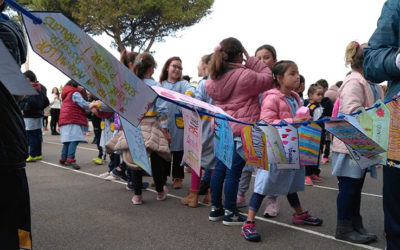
(275, 107)
(237, 90)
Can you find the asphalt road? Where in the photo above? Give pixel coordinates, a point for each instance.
(78, 210)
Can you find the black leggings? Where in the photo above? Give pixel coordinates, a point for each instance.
(256, 200)
(55, 114)
(158, 166)
(177, 169)
(45, 121)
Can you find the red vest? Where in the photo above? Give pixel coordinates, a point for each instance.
(70, 112)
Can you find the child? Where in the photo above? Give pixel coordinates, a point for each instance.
(235, 88)
(72, 122)
(354, 93)
(279, 104)
(171, 78)
(267, 54)
(156, 137)
(55, 106)
(207, 153)
(315, 95)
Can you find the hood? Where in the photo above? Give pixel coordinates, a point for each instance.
(36, 85)
(67, 90)
(275, 91)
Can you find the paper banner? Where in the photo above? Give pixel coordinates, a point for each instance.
(254, 147)
(394, 130)
(136, 145)
(309, 144)
(365, 121)
(275, 149)
(223, 141)
(178, 97)
(290, 141)
(68, 48)
(192, 137)
(380, 129)
(350, 132)
(11, 76)
(363, 162)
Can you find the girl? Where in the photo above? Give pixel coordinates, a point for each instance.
(55, 106)
(354, 93)
(72, 122)
(156, 137)
(207, 154)
(171, 78)
(267, 54)
(235, 88)
(315, 93)
(279, 104)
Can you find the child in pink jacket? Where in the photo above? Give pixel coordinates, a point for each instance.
(235, 88)
(279, 104)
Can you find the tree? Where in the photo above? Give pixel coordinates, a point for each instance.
(130, 23)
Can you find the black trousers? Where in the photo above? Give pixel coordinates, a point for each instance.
(15, 212)
(177, 169)
(55, 115)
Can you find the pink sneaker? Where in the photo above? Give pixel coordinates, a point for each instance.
(137, 200)
(272, 209)
(306, 219)
(325, 160)
(162, 195)
(308, 181)
(316, 178)
(241, 201)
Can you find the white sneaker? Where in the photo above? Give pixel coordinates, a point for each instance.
(104, 175)
(111, 177)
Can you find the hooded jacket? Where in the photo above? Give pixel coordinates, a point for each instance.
(70, 112)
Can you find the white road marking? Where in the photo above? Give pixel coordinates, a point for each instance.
(257, 217)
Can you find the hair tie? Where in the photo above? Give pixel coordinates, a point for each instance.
(357, 44)
(127, 52)
(217, 48)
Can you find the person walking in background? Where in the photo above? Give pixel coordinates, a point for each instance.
(15, 212)
(46, 114)
(55, 106)
(382, 63)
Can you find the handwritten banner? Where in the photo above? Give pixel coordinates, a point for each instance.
(136, 145)
(192, 137)
(255, 147)
(290, 141)
(64, 45)
(275, 149)
(11, 76)
(223, 141)
(178, 97)
(380, 128)
(350, 132)
(394, 131)
(309, 144)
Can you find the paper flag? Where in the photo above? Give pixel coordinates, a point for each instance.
(275, 149)
(223, 140)
(394, 130)
(136, 145)
(290, 141)
(254, 147)
(380, 129)
(309, 144)
(192, 138)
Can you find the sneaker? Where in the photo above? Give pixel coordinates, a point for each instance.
(308, 181)
(111, 177)
(137, 200)
(162, 195)
(104, 175)
(119, 174)
(249, 232)
(316, 178)
(233, 218)
(325, 160)
(216, 214)
(30, 159)
(241, 200)
(98, 161)
(306, 219)
(38, 158)
(72, 164)
(272, 208)
(62, 161)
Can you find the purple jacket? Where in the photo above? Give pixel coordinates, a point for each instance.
(237, 90)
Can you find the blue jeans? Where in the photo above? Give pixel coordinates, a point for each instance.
(349, 197)
(207, 175)
(68, 150)
(391, 204)
(35, 142)
(231, 177)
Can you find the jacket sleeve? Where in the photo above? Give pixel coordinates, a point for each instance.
(351, 97)
(257, 77)
(270, 110)
(380, 55)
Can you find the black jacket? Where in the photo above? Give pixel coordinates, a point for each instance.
(13, 139)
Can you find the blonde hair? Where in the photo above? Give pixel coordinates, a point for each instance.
(354, 55)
